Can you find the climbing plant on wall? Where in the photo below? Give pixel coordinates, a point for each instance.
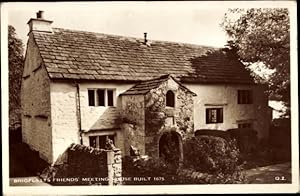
(155, 110)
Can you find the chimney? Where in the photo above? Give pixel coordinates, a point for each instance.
(39, 23)
(40, 15)
(146, 42)
(145, 38)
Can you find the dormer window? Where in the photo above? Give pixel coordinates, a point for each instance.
(170, 99)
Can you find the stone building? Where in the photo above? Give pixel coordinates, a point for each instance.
(80, 87)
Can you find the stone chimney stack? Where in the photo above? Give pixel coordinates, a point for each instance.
(39, 23)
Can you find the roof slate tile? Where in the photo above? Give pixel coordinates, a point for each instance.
(95, 56)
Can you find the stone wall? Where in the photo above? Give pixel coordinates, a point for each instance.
(225, 96)
(184, 116)
(35, 103)
(85, 165)
(156, 114)
(133, 123)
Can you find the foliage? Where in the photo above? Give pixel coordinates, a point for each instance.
(215, 156)
(262, 36)
(246, 138)
(280, 140)
(15, 61)
(155, 110)
(213, 132)
(130, 113)
(207, 160)
(147, 167)
(24, 160)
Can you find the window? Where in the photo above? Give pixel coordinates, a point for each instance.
(91, 94)
(101, 97)
(170, 99)
(214, 115)
(100, 141)
(244, 125)
(110, 97)
(245, 97)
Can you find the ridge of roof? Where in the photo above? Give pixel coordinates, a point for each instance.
(145, 86)
(132, 38)
(82, 55)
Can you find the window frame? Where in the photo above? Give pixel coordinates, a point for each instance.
(219, 115)
(91, 91)
(173, 99)
(98, 97)
(105, 100)
(245, 96)
(111, 136)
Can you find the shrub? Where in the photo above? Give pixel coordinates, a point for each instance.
(247, 140)
(280, 140)
(148, 167)
(30, 159)
(215, 156)
(213, 132)
(211, 154)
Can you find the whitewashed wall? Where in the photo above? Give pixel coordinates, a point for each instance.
(65, 129)
(90, 114)
(225, 96)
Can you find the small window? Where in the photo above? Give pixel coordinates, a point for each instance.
(110, 97)
(93, 141)
(170, 99)
(245, 97)
(244, 125)
(214, 115)
(101, 97)
(91, 95)
(100, 141)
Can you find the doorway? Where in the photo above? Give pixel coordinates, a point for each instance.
(170, 148)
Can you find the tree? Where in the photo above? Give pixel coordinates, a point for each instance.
(262, 36)
(15, 69)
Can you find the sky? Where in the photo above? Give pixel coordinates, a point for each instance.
(190, 22)
(195, 22)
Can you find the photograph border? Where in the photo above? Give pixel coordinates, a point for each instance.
(162, 189)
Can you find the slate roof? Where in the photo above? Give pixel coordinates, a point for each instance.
(145, 86)
(69, 54)
(108, 120)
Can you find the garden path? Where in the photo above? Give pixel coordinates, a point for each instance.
(279, 173)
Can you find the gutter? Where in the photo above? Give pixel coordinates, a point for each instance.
(78, 111)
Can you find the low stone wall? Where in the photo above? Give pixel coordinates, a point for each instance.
(84, 165)
(87, 162)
